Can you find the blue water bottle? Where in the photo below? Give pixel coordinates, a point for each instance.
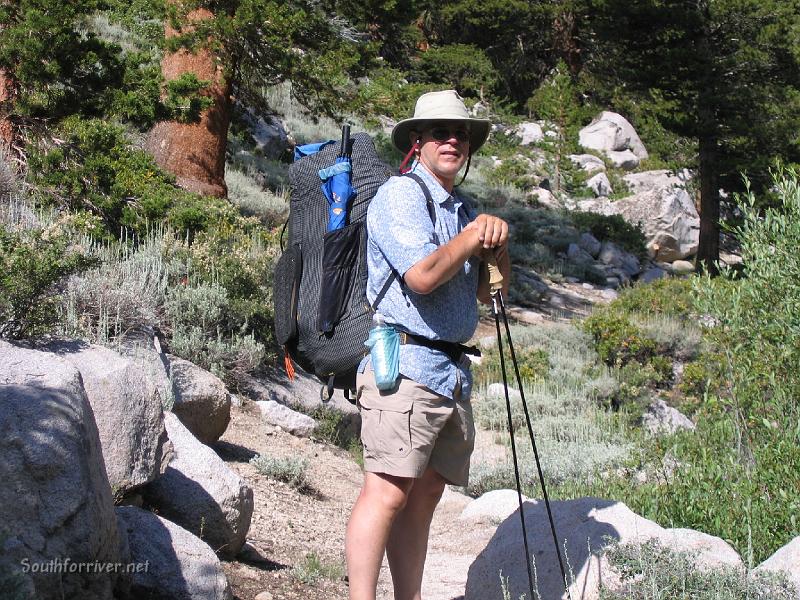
(384, 345)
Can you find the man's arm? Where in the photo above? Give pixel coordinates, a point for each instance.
(440, 266)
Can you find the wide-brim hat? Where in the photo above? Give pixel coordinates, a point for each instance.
(437, 107)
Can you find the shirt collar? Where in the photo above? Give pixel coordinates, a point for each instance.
(438, 193)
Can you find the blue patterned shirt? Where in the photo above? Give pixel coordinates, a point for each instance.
(400, 233)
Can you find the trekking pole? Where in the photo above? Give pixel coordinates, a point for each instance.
(498, 307)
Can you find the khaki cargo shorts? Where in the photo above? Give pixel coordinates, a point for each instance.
(408, 428)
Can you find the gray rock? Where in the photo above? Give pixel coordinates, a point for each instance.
(588, 162)
(610, 132)
(610, 294)
(601, 206)
(578, 255)
(661, 418)
(201, 401)
(622, 276)
(709, 551)
(786, 560)
(669, 220)
(628, 133)
(201, 493)
(610, 254)
(667, 216)
(144, 348)
(524, 316)
(530, 133)
(624, 159)
(497, 390)
(682, 267)
(55, 501)
(590, 243)
(126, 403)
(180, 566)
(304, 390)
(543, 197)
(585, 527)
(268, 134)
(613, 282)
(596, 273)
(493, 506)
(652, 274)
(657, 179)
(630, 264)
(287, 419)
(600, 185)
(528, 281)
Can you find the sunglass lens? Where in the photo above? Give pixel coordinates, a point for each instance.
(442, 134)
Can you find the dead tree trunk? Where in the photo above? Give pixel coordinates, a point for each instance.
(195, 152)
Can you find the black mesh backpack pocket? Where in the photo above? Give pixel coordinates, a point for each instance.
(288, 272)
(339, 259)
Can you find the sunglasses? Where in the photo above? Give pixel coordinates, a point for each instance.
(442, 133)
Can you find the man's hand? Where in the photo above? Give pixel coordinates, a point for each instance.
(492, 232)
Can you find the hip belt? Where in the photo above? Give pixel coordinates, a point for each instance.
(453, 350)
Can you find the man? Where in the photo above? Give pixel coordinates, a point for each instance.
(419, 435)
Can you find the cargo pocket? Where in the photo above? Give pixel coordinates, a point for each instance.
(385, 425)
(286, 291)
(339, 259)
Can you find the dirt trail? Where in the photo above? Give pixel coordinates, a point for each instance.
(289, 525)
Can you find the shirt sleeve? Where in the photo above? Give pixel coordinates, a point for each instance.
(398, 222)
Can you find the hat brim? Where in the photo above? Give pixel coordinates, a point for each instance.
(478, 129)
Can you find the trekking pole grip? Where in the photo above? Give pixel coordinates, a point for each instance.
(495, 276)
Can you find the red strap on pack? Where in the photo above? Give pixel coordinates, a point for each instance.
(287, 363)
(411, 152)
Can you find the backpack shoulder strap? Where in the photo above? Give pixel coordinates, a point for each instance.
(394, 274)
(427, 193)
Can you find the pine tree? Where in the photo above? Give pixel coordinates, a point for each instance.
(48, 66)
(239, 47)
(726, 73)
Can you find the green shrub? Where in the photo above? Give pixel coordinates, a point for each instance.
(638, 380)
(463, 67)
(574, 436)
(612, 228)
(334, 429)
(739, 470)
(649, 571)
(665, 296)
(239, 258)
(270, 208)
(312, 569)
(124, 292)
(533, 364)
(96, 170)
(197, 315)
(32, 264)
(290, 470)
(679, 338)
(617, 340)
(502, 144)
(388, 92)
(515, 171)
(701, 377)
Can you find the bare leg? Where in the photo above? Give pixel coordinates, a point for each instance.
(408, 541)
(382, 498)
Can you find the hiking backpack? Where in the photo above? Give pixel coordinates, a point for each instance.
(332, 356)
